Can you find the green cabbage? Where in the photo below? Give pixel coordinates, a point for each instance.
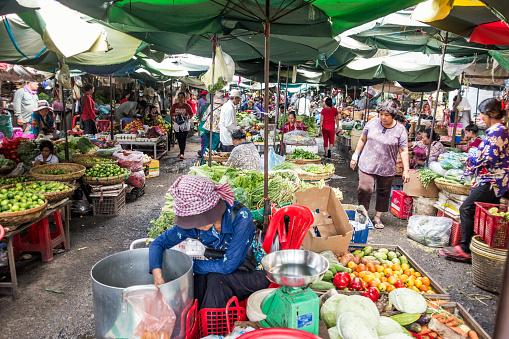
(333, 333)
(388, 326)
(328, 310)
(360, 305)
(407, 301)
(354, 326)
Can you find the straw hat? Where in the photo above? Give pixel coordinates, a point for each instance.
(149, 92)
(42, 104)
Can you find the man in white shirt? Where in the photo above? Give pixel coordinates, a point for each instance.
(228, 120)
(25, 101)
(303, 105)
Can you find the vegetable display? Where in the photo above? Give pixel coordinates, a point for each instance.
(302, 154)
(85, 146)
(14, 180)
(105, 171)
(319, 169)
(165, 219)
(426, 176)
(56, 172)
(6, 163)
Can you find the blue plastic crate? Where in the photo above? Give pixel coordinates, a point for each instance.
(359, 237)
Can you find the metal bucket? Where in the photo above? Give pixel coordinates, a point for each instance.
(113, 316)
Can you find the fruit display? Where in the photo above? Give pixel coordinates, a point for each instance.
(154, 132)
(381, 269)
(56, 172)
(134, 126)
(105, 171)
(6, 163)
(24, 197)
(96, 160)
(494, 211)
(14, 180)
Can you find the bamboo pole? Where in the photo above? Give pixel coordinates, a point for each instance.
(111, 107)
(418, 127)
(266, 120)
(211, 114)
(444, 47)
(284, 114)
(277, 103)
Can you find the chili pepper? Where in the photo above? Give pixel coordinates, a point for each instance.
(356, 284)
(371, 293)
(341, 280)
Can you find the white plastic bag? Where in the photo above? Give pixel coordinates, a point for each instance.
(224, 68)
(429, 231)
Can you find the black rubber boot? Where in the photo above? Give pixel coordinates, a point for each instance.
(329, 153)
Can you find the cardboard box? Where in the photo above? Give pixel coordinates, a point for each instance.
(401, 205)
(153, 169)
(414, 187)
(331, 221)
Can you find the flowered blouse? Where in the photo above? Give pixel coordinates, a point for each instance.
(40, 125)
(437, 148)
(298, 125)
(491, 163)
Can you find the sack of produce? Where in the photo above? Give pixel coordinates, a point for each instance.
(429, 231)
(130, 160)
(136, 179)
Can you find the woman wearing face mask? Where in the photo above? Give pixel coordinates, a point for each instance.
(207, 212)
(381, 140)
(182, 113)
(490, 170)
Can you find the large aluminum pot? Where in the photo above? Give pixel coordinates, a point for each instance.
(113, 316)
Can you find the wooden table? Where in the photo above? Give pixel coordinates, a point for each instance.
(64, 204)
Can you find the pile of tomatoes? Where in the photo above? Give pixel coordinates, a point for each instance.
(389, 277)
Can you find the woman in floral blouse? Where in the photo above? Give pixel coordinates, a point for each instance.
(420, 148)
(490, 168)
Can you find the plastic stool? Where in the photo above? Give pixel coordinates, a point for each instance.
(40, 239)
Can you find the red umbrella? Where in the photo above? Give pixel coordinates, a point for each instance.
(493, 33)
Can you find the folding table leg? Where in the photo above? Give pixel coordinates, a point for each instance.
(12, 268)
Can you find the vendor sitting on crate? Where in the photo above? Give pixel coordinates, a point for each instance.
(207, 212)
(490, 170)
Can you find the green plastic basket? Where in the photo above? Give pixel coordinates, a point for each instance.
(258, 214)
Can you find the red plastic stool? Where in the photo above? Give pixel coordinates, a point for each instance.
(40, 239)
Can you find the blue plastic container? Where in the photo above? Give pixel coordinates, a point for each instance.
(359, 237)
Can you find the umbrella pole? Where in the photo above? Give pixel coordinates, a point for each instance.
(284, 114)
(211, 114)
(170, 134)
(418, 127)
(476, 105)
(111, 107)
(438, 93)
(365, 108)
(277, 103)
(266, 121)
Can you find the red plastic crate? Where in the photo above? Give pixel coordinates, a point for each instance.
(218, 321)
(455, 238)
(401, 205)
(492, 229)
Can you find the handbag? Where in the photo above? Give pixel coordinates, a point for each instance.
(179, 119)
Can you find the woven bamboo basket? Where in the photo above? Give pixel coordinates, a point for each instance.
(106, 181)
(304, 161)
(453, 188)
(486, 261)
(15, 219)
(28, 178)
(441, 131)
(51, 197)
(78, 172)
(314, 177)
(7, 170)
(78, 159)
(218, 159)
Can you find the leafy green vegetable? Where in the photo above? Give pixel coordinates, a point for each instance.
(302, 154)
(85, 145)
(165, 220)
(319, 169)
(426, 176)
(287, 165)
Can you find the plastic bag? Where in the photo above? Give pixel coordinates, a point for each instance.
(130, 160)
(108, 152)
(224, 68)
(242, 196)
(429, 231)
(449, 164)
(136, 179)
(157, 317)
(435, 167)
(274, 159)
(298, 137)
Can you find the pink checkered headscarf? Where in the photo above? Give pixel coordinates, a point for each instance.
(193, 195)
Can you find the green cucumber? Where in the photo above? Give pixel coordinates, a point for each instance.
(341, 268)
(322, 285)
(328, 276)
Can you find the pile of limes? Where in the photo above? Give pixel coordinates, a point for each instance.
(56, 172)
(15, 180)
(98, 160)
(105, 171)
(27, 196)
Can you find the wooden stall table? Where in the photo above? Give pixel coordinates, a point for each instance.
(149, 146)
(9, 238)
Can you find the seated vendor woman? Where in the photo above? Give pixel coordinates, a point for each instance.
(420, 148)
(244, 155)
(293, 124)
(42, 121)
(207, 212)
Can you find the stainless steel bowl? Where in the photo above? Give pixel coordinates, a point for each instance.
(295, 268)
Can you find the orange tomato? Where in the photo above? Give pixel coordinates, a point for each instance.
(410, 283)
(365, 284)
(383, 279)
(377, 275)
(392, 280)
(360, 268)
(371, 268)
(390, 288)
(351, 265)
(362, 274)
(418, 283)
(403, 277)
(430, 292)
(368, 278)
(355, 273)
(386, 266)
(373, 284)
(423, 288)
(407, 272)
(379, 268)
(425, 281)
(417, 274)
(396, 267)
(387, 271)
(382, 287)
(405, 266)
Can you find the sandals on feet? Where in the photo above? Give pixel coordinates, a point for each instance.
(456, 253)
(378, 224)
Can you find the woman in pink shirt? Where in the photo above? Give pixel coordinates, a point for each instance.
(329, 124)
(88, 111)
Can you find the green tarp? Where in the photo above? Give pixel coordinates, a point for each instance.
(502, 58)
